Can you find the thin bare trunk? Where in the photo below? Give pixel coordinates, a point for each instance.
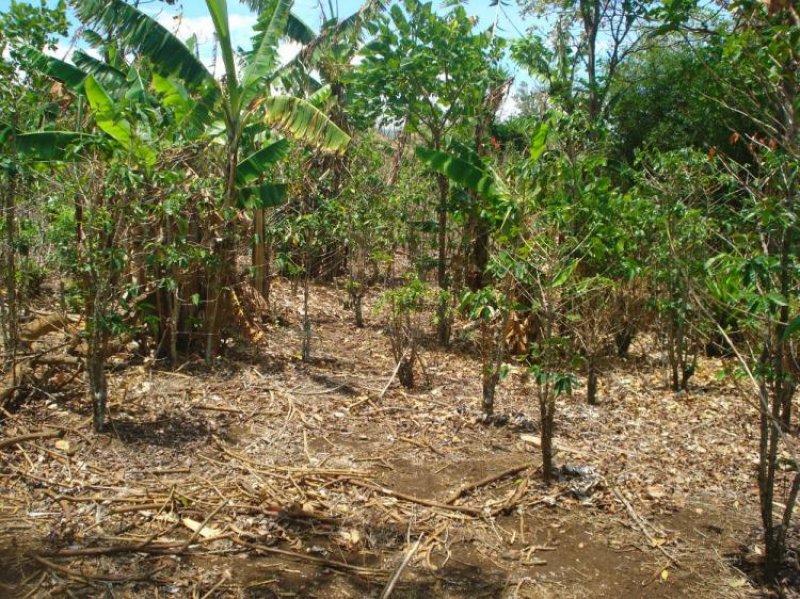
(443, 312)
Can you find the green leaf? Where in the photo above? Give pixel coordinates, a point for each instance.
(777, 299)
(106, 75)
(459, 171)
(267, 195)
(296, 29)
(539, 142)
(254, 165)
(173, 95)
(118, 128)
(264, 60)
(219, 15)
(792, 328)
(301, 120)
(115, 126)
(71, 76)
(563, 276)
(320, 97)
(46, 146)
(146, 36)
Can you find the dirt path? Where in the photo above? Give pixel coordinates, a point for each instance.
(310, 487)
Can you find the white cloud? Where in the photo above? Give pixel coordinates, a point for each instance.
(287, 50)
(509, 108)
(203, 28)
(63, 51)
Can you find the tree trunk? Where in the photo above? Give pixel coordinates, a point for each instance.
(405, 372)
(259, 253)
(590, 13)
(10, 328)
(98, 384)
(623, 340)
(547, 418)
(443, 312)
(490, 381)
(306, 344)
(591, 384)
(358, 310)
(223, 270)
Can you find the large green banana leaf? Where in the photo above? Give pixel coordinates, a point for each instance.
(460, 171)
(47, 146)
(112, 79)
(110, 122)
(263, 61)
(301, 120)
(71, 76)
(254, 165)
(146, 36)
(266, 195)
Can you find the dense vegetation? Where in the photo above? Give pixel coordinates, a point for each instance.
(647, 186)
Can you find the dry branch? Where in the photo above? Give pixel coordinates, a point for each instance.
(30, 437)
(473, 511)
(637, 519)
(310, 558)
(468, 488)
(396, 576)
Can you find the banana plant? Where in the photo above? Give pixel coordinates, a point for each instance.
(242, 97)
(240, 100)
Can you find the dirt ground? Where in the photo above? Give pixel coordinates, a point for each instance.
(273, 477)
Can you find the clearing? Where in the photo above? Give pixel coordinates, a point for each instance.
(271, 477)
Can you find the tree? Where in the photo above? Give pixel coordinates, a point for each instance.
(755, 273)
(426, 74)
(238, 101)
(590, 37)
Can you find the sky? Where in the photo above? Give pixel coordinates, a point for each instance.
(190, 17)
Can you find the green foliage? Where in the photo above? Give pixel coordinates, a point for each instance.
(422, 71)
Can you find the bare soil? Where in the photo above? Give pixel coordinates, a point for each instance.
(267, 476)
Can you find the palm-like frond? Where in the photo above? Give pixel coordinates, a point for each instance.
(266, 195)
(219, 15)
(263, 61)
(71, 76)
(49, 146)
(301, 120)
(460, 171)
(108, 76)
(146, 36)
(296, 29)
(256, 164)
(350, 27)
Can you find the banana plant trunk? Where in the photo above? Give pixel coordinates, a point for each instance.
(259, 253)
(223, 268)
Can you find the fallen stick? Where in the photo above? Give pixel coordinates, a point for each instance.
(473, 511)
(394, 374)
(637, 519)
(84, 577)
(135, 508)
(200, 528)
(216, 409)
(31, 437)
(308, 558)
(160, 548)
(215, 587)
(59, 568)
(396, 576)
(536, 441)
(486, 481)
